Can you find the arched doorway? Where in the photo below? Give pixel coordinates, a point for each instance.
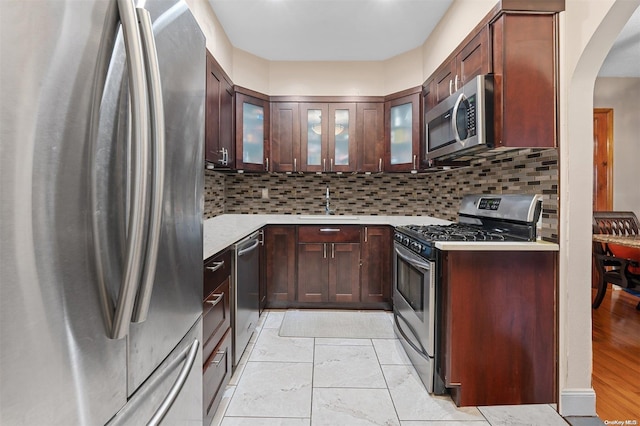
(589, 30)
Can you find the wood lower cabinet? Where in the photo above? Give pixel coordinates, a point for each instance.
(329, 264)
(497, 343)
(377, 265)
(280, 255)
(335, 266)
(216, 332)
(313, 273)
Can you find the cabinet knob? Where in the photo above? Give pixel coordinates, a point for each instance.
(380, 165)
(295, 164)
(450, 87)
(456, 83)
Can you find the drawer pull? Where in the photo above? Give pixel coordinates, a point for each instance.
(329, 230)
(216, 266)
(218, 358)
(216, 300)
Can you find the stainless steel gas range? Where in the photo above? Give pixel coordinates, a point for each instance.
(486, 218)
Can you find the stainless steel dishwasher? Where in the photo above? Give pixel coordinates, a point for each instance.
(245, 298)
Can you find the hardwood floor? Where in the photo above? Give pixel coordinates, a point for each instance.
(616, 357)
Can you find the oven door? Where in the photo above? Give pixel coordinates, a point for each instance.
(414, 298)
(414, 313)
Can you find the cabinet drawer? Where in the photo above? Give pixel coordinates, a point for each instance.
(329, 234)
(216, 317)
(216, 374)
(216, 270)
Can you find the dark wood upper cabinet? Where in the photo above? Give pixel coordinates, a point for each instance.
(526, 82)
(219, 144)
(328, 137)
(370, 136)
(285, 137)
(342, 137)
(402, 131)
(313, 137)
(472, 59)
(252, 131)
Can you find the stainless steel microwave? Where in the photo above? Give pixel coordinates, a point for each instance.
(462, 124)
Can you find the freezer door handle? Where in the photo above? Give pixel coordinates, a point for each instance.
(157, 142)
(140, 135)
(189, 355)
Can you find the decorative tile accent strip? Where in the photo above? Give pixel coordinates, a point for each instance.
(433, 194)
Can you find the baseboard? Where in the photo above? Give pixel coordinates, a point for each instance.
(578, 402)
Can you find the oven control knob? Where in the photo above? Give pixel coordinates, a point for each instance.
(405, 241)
(416, 246)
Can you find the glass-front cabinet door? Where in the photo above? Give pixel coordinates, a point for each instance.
(313, 132)
(342, 143)
(328, 137)
(252, 133)
(403, 133)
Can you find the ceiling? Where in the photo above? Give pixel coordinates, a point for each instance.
(328, 30)
(363, 30)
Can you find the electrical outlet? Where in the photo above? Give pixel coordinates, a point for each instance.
(265, 193)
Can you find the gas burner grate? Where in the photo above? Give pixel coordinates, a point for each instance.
(457, 232)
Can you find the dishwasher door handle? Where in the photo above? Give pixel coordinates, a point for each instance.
(248, 249)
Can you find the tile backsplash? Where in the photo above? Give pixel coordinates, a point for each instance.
(433, 194)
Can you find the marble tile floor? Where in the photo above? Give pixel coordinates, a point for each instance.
(292, 381)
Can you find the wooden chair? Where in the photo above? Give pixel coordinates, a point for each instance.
(613, 269)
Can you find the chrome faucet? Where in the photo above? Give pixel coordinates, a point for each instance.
(327, 206)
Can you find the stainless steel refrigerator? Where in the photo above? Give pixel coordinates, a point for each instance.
(102, 129)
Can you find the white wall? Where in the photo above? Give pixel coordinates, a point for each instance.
(622, 95)
(217, 41)
(445, 37)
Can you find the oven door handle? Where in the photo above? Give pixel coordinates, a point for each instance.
(406, 338)
(415, 262)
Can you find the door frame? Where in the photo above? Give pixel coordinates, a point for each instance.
(607, 115)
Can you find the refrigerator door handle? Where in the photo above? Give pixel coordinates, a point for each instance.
(157, 143)
(140, 135)
(190, 355)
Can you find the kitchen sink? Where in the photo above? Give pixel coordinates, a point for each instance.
(328, 217)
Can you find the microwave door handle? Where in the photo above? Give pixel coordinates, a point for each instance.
(454, 117)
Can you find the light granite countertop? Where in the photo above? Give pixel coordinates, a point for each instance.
(222, 231)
